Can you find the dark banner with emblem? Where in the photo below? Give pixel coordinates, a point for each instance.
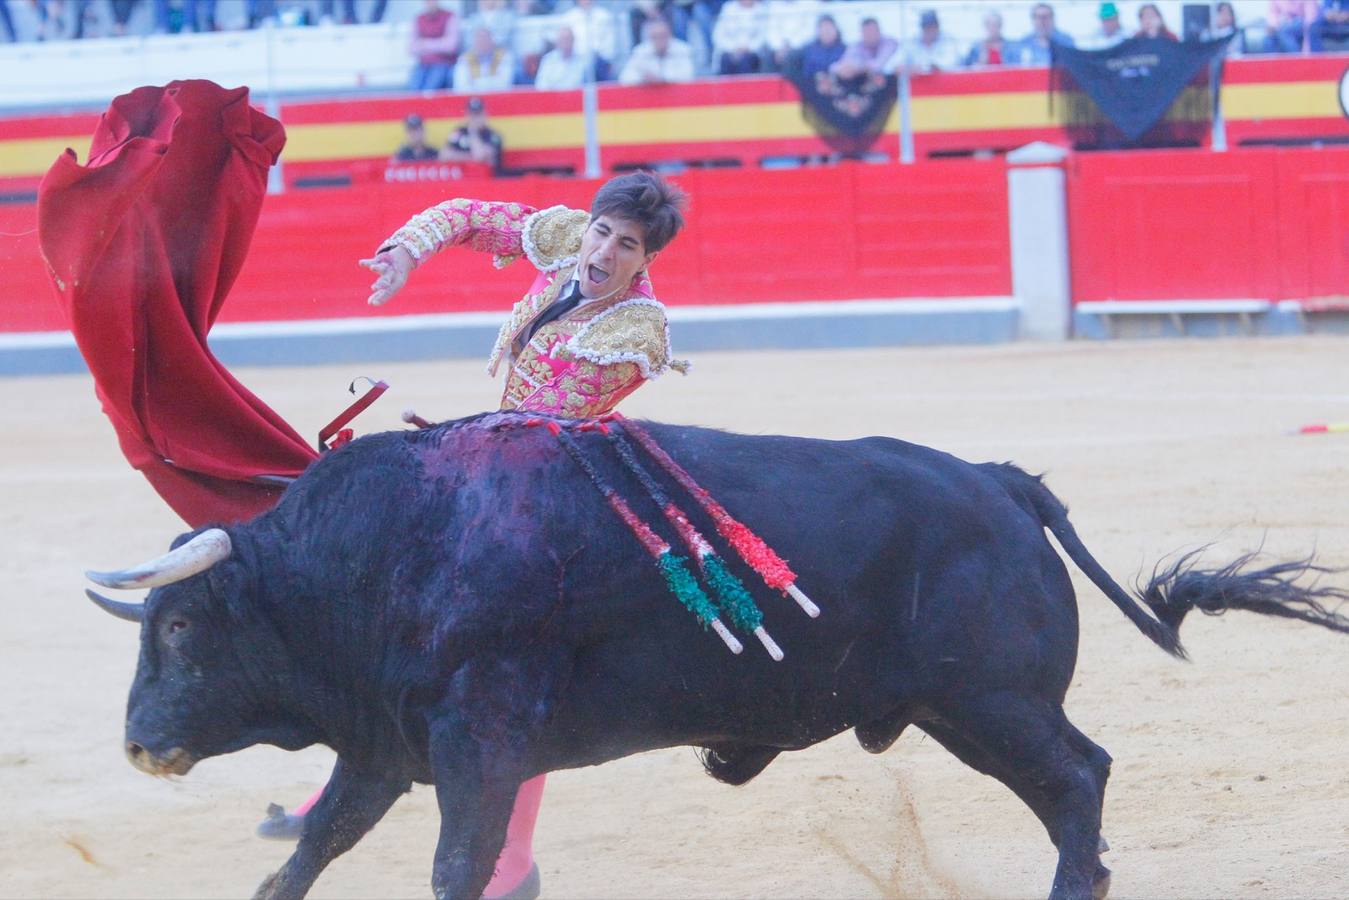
(1142, 92)
(847, 113)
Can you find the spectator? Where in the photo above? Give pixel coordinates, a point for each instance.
(1289, 24)
(593, 26)
(1331, 30)
(992, 50)
(414, 147)
(1224, 25)
(496, 17)
(1036, 48)
(484, 66)
(121, 14)
(475, 140)
(562, 68)
(659, 59)
(198, 15)
(827, 48)
(931, 51)
(349, 11)
(8, 21)
(792, 24)
(740, 38)
(435, 45)
(1110, 32)
(1151, 24)
(875, 53)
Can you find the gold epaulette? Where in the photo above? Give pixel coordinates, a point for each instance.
(552, 237)
(631, 331)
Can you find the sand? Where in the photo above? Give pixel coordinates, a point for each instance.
(1231, 774)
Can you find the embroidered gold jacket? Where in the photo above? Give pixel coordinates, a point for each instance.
(581, 364)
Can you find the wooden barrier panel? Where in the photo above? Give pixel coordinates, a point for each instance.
(842, 232)
(1267, 224)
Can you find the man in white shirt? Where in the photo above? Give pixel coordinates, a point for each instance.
(562, 68)
(740, 37)
(1111, 31)
(931, 51)
(485, 67)
(660, 58)
(592, 24)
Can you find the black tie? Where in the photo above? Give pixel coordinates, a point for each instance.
(556, 310)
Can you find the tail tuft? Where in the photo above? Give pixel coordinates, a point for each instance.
(1175, 589)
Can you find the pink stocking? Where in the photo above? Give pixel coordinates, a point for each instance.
(517, 857)
(308, 804)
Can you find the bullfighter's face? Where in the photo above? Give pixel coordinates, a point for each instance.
(201, 684)
(613, 251)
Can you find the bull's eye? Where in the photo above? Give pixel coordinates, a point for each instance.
(176, 626)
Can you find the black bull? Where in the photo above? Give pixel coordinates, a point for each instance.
(458, 606)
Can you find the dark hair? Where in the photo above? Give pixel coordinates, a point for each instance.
(648, 200)
(870, 20)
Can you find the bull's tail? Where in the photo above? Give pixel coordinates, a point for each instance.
(1174, 590)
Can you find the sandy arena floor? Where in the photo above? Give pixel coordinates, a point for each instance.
(1231, 774)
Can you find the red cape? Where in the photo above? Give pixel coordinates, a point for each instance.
(143, 245)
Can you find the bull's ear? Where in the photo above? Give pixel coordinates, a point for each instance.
(131, 612)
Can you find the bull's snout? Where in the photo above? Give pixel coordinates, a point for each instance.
(176, 761)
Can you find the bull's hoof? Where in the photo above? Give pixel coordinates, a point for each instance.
(1100, 885)
(529, 887)
(280, 825)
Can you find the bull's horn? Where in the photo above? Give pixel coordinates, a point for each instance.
(197, 555)
(131, 612)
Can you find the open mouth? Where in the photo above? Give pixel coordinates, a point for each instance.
(596, 275)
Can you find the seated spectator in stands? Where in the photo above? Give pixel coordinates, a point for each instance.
(414, 147)
(740, 38)
(1224, 25)
(593, 26)
(991, 51)
(326, 8)
(1110, 32)
(1151, 24)
(496, 17)
(562, 68)
(1289, 25)
(875, 53)
(197, 15)
(475, 140)
(792, 24)
(1035, 48)
(660, 58)
(931, 51)
(1330, 31)
(435, 46)
(484, 66)
(820, 54)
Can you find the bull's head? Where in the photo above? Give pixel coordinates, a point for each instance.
(200, 688)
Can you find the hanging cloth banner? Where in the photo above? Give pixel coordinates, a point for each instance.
(847, 113)
(1128, 88)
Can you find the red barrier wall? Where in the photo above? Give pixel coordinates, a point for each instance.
(851, 231)
(1163, 225)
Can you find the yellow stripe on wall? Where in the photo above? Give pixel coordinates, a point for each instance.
(34, 156)
(1291, 100)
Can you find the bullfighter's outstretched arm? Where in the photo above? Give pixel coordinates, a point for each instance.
(353, 802)
(548, 238)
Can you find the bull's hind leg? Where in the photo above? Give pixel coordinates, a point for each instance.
(1031, 747)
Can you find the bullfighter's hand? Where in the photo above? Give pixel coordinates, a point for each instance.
(393, 267)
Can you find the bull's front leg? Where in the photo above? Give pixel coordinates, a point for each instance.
(476, 786)
(352, 803)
